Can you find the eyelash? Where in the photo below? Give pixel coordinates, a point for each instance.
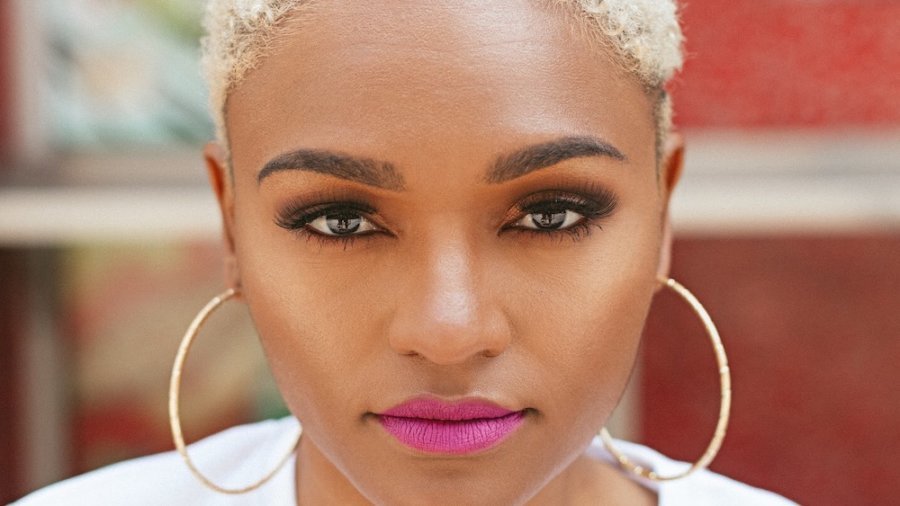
(600, 204)
(295, 217)
(592, 210)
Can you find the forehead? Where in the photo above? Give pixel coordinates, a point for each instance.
(386, 75)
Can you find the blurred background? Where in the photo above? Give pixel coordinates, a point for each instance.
(787, 226)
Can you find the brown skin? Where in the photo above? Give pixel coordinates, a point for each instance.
(450, 298)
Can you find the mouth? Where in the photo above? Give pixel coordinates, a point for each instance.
(458, 428)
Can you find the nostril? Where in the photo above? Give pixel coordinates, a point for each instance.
(447, 348)
(491, 353)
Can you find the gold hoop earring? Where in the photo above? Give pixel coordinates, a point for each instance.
(724, 408)
(175, 417)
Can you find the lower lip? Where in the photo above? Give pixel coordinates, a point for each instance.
(454, 437)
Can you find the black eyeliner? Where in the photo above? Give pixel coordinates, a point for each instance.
(297, 214)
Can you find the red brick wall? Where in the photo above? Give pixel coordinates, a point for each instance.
(763, 63)
(812, 329)
(812, 324)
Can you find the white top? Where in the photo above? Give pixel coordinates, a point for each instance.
(163, 479)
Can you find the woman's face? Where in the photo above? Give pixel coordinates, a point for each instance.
(451, 203)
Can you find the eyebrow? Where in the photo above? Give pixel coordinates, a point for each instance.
(546, 154)
(382, 174)
(363, 170)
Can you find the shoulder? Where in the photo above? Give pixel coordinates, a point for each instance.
(701, 488)
(234, 457)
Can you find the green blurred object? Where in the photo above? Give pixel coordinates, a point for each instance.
(180, 16)
(125, 74)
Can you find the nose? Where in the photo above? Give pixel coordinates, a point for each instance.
(445, 313)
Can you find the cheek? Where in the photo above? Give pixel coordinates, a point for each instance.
(308, 326)
(585, 325)
(593, 352)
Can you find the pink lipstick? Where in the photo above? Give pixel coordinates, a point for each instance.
(457, 428)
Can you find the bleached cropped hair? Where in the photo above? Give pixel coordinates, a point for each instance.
(644, 35)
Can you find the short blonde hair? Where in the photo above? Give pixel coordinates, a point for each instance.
(644, 35)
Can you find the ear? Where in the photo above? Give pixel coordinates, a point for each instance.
(221, 183)
(670, 173)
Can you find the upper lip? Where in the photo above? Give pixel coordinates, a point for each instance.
(431, 408)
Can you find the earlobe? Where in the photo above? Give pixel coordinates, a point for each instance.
(221, 183)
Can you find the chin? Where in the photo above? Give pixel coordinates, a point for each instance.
(457, 492)
(460, 481)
